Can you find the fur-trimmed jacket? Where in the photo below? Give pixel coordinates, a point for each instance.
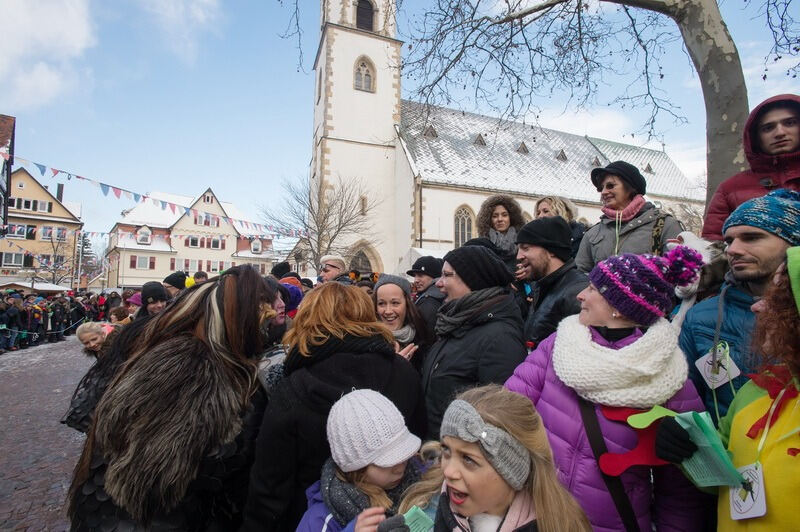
(171, 444)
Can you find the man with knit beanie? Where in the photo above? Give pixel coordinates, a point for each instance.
(757, 235)
(544, 248)
(429, 298)
(479, 330)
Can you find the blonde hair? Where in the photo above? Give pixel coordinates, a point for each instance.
(560, 206)
(333, 309)
(90, 327)
(556, 509)
(426, 488)
(377, 496)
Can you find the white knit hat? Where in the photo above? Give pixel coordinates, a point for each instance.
(364, 428)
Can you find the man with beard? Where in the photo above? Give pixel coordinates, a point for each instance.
(425, 271)
(716, 333)
(544, 248)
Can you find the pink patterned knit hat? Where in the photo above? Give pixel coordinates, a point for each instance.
(641, 287)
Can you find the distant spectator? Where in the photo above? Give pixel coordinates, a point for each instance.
(120, 315)
(134, 302)
(174, 283)
(200, 277)
(425, 271)
(558, 206)
(307, 283)
(366, 286)
(154, 299)
(332, 268)
(280, 270)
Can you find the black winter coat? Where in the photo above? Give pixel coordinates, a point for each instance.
(486, 349)
(292, 444)
(428, 303)
(554, 298)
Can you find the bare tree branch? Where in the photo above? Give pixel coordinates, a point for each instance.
(333, 216)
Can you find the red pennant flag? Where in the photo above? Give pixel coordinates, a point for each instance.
(117, 192)
(55, 171)
(172, 207)
(5, 156)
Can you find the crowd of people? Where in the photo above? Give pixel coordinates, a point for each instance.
(491, 390)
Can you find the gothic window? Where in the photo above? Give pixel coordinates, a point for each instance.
(463, 226)
(361, 263)
(364, 15)
(364, 76)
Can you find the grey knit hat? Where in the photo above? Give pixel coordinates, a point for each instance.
(508, 456)
(364, 428)
(386, 278)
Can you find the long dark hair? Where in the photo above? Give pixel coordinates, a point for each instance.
(423, 335)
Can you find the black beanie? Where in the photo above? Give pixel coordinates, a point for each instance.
(626, 171)
(280, 270)
(176, 279)
(552, 233)
(478, 267)
(153, 291)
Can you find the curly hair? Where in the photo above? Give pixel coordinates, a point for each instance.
(777, 330)
(484, 218)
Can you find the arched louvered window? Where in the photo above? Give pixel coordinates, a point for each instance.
(361, 262)
(463, 226)
(364, 76)
(364, 15)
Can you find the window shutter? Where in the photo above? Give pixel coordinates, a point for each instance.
(222, 242)
(186, 264)
(27, 261)
(49, 206)
(30, 232)
(172, 264)
(208, 265)
(221, 265)
(133, 261)
(186, 242)
(152, 263)
(199, 265)
(203, 242)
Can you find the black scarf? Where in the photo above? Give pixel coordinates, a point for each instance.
(453, 314)
(345, 501)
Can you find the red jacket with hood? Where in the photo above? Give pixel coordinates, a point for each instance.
(766, 173)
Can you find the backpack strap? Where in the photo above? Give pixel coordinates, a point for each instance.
(613, 484)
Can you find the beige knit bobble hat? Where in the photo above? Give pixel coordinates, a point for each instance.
(364, 428)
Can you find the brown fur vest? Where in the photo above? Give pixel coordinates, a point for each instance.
(166, 411)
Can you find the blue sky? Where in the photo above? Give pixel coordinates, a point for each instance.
(182, 95)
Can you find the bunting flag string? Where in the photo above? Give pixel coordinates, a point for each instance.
(258, 230)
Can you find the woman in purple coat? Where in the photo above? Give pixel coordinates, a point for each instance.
(618, 352)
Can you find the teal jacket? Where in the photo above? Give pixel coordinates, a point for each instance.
(697, 337)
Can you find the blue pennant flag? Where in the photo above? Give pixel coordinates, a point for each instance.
(136, 197)
(41, 168)
(104, 188)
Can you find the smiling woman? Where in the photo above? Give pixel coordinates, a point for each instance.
(629, 223)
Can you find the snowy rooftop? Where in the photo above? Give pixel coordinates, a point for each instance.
(524, 158)
(152, 215)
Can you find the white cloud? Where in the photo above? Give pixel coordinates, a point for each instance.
(182, 22)
(777, 81)
(604, 123)
(40, 44)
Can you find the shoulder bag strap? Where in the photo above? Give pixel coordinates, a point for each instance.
(658, 231)
(613, 484)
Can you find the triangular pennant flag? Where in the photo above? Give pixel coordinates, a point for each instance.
(128, 195)
(172, 207)
(117, 192)
(104, 188)
(163, 205)
(41, 168)
(6, 156)
(187, 210)
(55, 172)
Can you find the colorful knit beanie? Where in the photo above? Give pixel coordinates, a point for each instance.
(641, 287)
(778, 213)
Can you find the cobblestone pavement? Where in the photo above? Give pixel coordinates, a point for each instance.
(37, 453)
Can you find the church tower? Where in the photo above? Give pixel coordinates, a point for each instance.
(356, 107)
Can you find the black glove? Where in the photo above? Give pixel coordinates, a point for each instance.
(396, 523)
(672, 442)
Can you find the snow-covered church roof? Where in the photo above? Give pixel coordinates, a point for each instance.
(452, 147)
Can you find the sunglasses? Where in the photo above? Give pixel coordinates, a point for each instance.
(327, 267)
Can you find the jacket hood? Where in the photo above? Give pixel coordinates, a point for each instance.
(503, 309)
(364, 364)
(759, 161)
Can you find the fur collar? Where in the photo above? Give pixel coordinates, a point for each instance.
(169, 408)
(642, 374)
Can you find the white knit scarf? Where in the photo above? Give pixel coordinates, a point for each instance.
(640, 375)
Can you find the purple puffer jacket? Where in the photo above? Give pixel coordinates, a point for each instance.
(670, 502)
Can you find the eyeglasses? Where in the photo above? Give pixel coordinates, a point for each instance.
(327, 267)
